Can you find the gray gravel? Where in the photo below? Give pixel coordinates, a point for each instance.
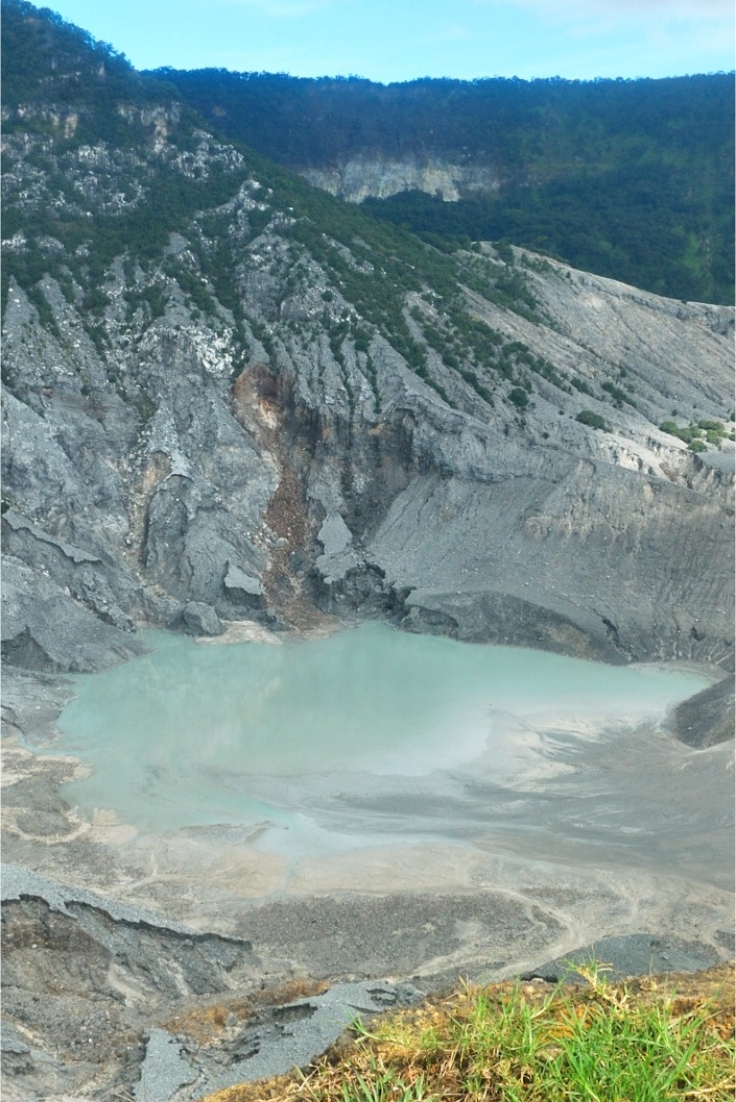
(165, 1070)
(632, 955)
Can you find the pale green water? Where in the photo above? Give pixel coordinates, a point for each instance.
(176, 738)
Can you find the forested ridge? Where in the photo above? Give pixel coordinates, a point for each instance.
(544, 122)
(628, 178)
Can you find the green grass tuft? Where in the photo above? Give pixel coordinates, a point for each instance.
(641, 1041)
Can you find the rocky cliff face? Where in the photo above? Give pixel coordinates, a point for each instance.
(226, 397)
(146, 484)
(357, 177)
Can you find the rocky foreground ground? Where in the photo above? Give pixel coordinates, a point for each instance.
(101, 998)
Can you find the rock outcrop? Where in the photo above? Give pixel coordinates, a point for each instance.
(708, 717)
(357, 177)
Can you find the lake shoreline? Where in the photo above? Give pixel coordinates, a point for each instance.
(238, 874)
(422, 911)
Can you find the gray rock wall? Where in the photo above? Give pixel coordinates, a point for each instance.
(534, 530)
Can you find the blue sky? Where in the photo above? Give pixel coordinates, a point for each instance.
(389, 40)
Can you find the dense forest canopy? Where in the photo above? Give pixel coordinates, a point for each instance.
(545, 123)
(629, 178)
(49, 64)
(636, 226)
(36, 39)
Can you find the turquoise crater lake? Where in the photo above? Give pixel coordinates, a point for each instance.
(196, 734)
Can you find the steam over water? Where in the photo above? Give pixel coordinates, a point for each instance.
(298, 736)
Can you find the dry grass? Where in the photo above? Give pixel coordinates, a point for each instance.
(204, 1023)
(651, 1039)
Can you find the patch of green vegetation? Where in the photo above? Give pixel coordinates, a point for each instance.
(97, 333)
(593, 420)
(456, 352)
(258, 220)
(538, 364)
(144, 405)
(155, 299)
(504, 252)
(193, 283)
(618, 394)
(582, 386)
(638, 1041)
(715, 431)
(537, 264)
(372, 374)
(505, 286)
(262, 335)
(692, 434)
(45, 313)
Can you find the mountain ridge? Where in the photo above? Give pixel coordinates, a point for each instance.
(630, 179)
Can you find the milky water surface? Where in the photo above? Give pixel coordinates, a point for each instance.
(194, 734)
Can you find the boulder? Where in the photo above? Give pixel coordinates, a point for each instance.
(200, 619)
